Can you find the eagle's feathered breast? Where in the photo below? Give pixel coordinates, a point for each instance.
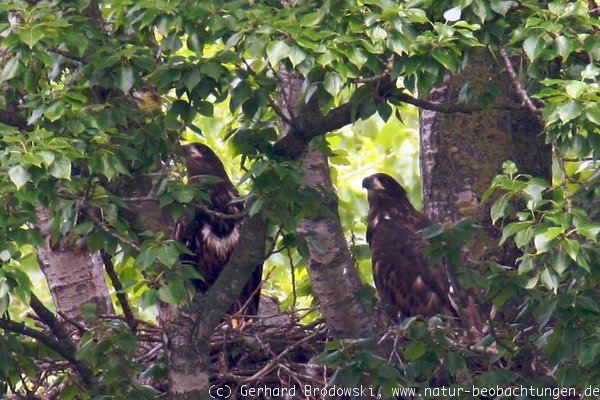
(209, 236)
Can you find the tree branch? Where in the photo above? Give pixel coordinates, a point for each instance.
(90, 214)
(521, 92)
(62, 344)
(122, 297)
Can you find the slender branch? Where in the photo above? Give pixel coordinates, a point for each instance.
(90, 214)
(62, 344)
(521, 92)
(77, 325)
(272, 102)
(42, 337)
(122, 297)
(48, 318)
(69, 55)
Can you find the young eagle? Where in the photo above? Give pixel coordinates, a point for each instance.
(208, 235)
(405, 282)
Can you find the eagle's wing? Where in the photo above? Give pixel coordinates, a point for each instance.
(405, 282)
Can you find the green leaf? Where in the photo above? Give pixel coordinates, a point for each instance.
(563, 47)
(530, 45)
(296, 55)
(333, 83)
(125, 79)
(255, 207)
(61, 168)
(358, 57)
(569, 111)
(192, 78)
(10, 69)
(549, 280)
(479, 8)
(575, 88)
(509, 167)
(277, 51)
(512, 229)
(587, 304)
(212, 69)
(31, 35)
(560, 263)
(54, 111)
(502, 7)
(167, 254)
(525, 265)
(543, 241)
(545, 312)
(590, 231)
(173, 292)
(572, 248)
(432, 231)
(19, 176)
(499, 208)
(452, 14)
(593, 114)
(447, 58)
(415, 351)
(395, 44)
(453, 362)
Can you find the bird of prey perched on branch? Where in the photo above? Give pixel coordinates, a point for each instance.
(213, 230)
(407, 285)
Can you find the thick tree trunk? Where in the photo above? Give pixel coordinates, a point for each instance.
(332, 271)
(75, 276)
(331, 268)
(188, 366)
(461, 153)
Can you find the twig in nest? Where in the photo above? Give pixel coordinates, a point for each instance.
(277, 358)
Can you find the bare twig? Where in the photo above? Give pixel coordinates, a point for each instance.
(277, 358)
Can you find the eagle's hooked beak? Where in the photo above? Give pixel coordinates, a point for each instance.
(372, 183)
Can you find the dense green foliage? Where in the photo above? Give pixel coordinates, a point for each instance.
(77, 114)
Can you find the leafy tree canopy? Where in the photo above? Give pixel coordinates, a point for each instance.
(97, 93)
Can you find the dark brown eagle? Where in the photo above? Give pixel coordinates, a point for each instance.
(207, 233)
(406, 283)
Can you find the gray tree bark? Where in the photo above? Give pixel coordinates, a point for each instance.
(332, 270)
(74, 275)
(461, 153)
